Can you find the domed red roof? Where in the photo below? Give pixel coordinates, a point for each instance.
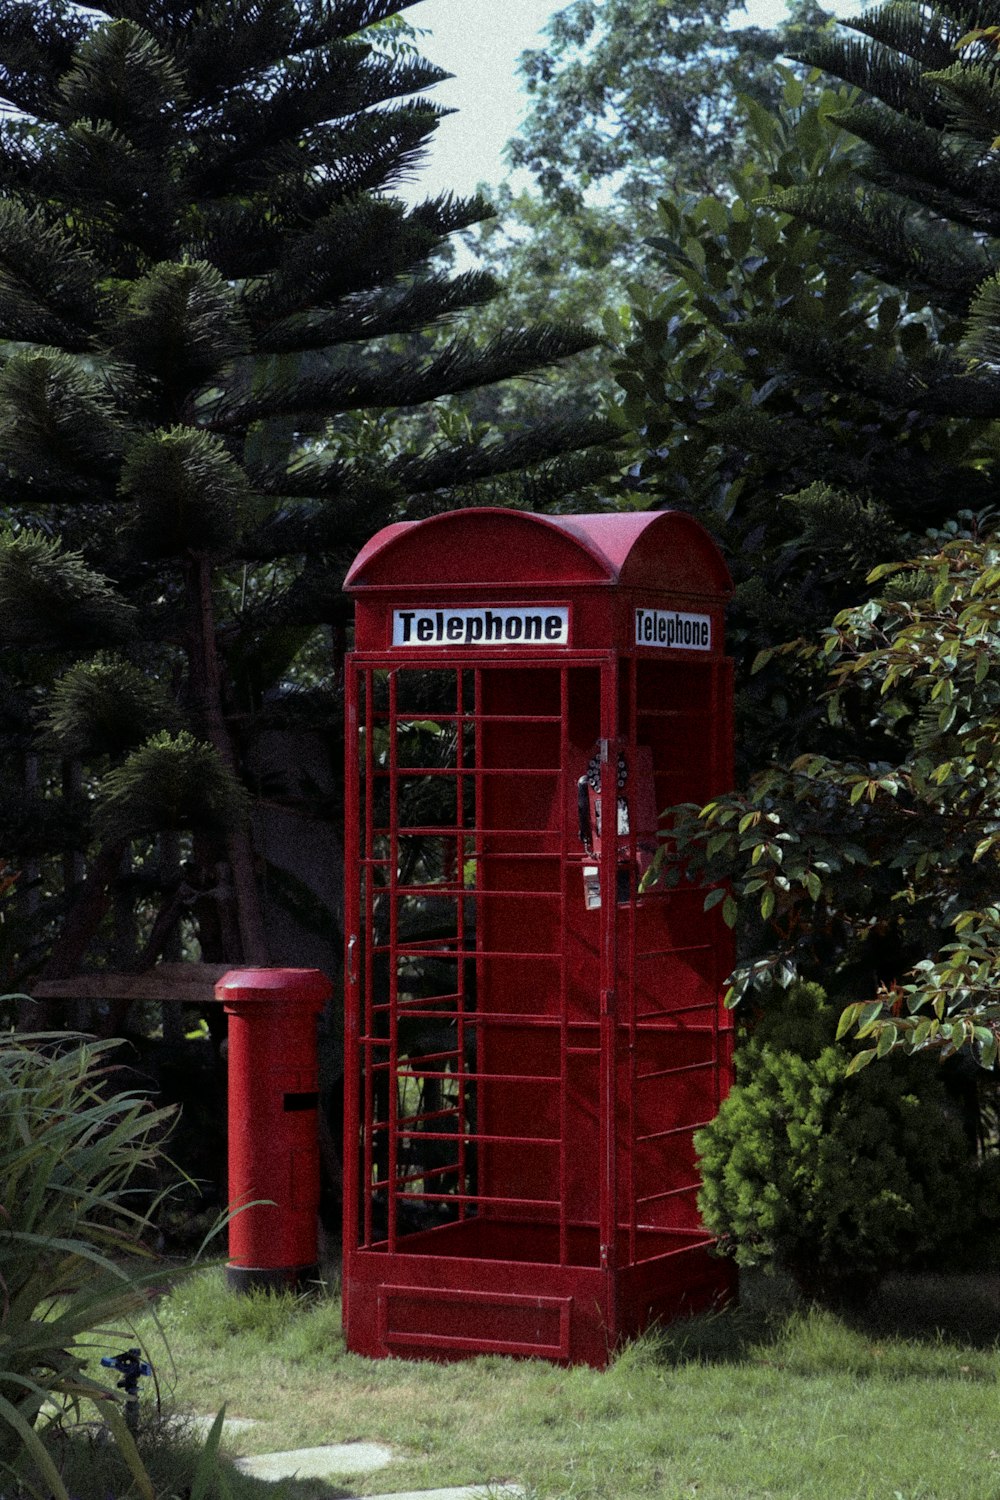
(490, 545)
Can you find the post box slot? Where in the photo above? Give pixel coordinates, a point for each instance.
(300, 1101)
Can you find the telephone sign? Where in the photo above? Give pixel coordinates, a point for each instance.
(670, 628)
(535, 1026)
(547, 625)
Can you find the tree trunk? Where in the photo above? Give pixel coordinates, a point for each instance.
(206, 684)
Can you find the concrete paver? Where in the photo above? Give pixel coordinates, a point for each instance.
(337, 1459)
(230, 1425)
(318, 1463)
(462, 1492)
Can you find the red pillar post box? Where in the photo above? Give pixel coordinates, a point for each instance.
(533, 1034)
(273, 1124)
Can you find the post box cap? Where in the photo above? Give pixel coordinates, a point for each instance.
(277, 986)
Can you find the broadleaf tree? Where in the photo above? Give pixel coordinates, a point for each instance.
(625, 104)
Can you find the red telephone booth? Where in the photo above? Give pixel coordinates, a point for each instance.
(532, 1036)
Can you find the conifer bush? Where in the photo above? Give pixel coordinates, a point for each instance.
(833, 1179)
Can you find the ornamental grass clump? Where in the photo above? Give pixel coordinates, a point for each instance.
(77, 1164)
(834, 1180)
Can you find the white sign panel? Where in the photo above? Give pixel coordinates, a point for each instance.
(534, 625)
(675, 631)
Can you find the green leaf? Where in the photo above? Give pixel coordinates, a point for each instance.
(868, 1014)
(860, 1060)
(986, 1051)
(34, 1447)
(887, 1039)
(848, 1016)
(207, 1472)
(126, 1444)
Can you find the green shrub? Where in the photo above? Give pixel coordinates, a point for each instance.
(73, 1269)
(833, 1179)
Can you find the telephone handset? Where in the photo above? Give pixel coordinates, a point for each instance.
(635, 810)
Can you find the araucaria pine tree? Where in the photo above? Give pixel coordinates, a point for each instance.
(206, 283)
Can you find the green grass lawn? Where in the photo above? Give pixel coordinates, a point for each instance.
(764, 1400)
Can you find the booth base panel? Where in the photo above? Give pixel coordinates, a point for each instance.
(442, 1299)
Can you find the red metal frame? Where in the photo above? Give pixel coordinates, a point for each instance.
(524, 1074)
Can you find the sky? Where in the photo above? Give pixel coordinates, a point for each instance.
(479, 41)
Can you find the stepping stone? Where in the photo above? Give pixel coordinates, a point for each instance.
(462, 1492)
(203, 1425)
(317, 1463)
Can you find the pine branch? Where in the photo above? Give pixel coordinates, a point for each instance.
(179, 325)
(904, 476)
(427, 303)
(925, 35)
(972, 95)
(120, 185)
(569, 474)
(828, 360)
(37, 44)
(942, 386)
(458, 465)
(60, 419)
(404, 380)
(943, 171)
(253, 122)
(306, 474)
(244, 236)
(447, 213)
(26, 163)
(223, 47)
(173, 781)
(359, 246)
(362, 504)
(121, 78)
(50, 597)
(898, 82)
(187, 495)
(982, 334)
(888, 239)
(46, 282)
(105, 706)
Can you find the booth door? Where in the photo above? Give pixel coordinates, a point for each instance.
(674, 959)
(479, 964)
